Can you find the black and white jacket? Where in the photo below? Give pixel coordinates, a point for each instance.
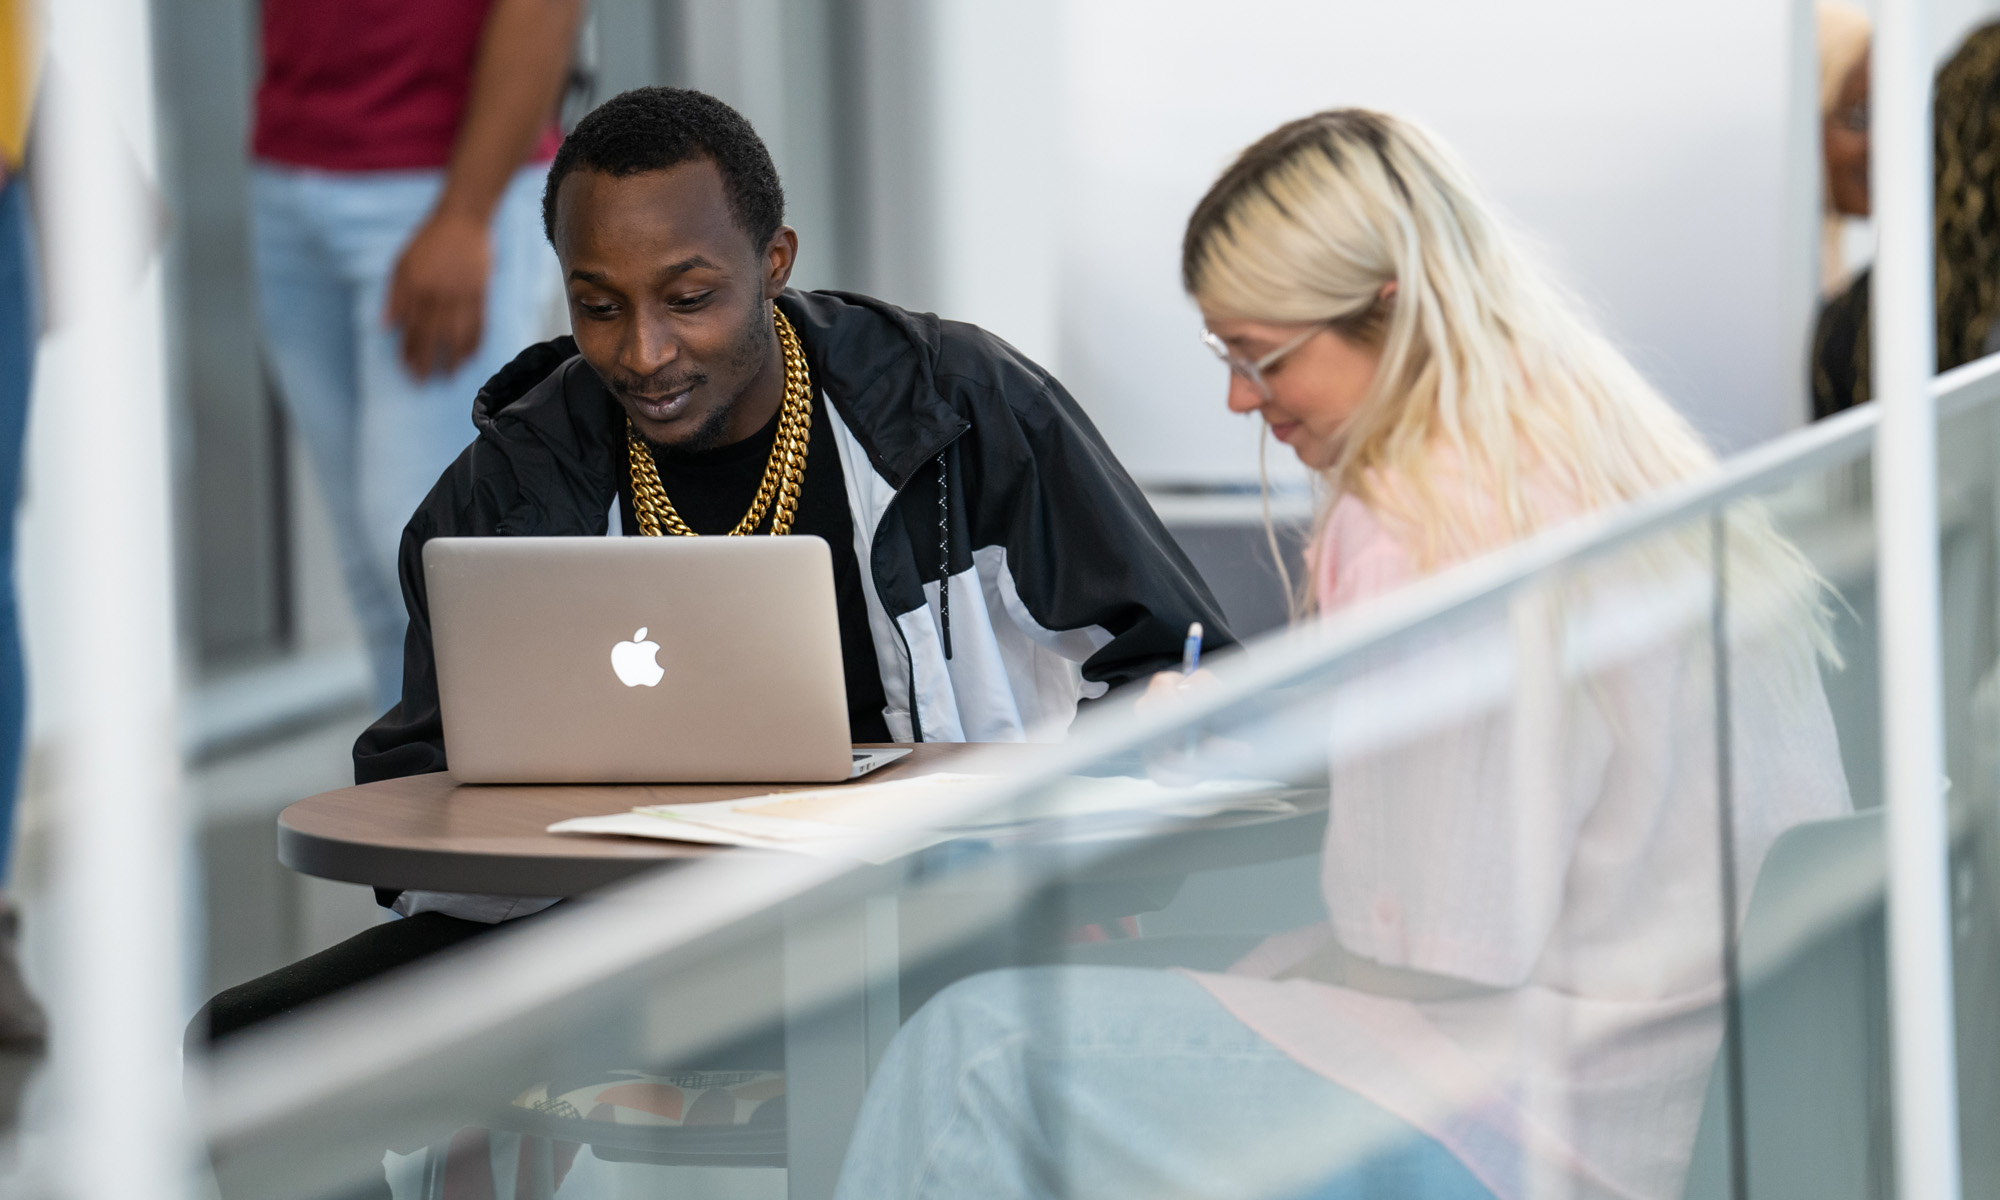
(1011, 566)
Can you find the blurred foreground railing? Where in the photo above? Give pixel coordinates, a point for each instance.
(828, 958)
(110, 675)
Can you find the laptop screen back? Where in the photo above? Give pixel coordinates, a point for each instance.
(637, 660)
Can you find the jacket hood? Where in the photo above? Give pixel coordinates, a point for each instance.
(879, 365)
(513, 381)
(549, 419)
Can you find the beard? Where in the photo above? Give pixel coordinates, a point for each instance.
(706, 436)
(748, 351)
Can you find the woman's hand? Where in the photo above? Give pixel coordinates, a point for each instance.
(1167, 686)
(1174, 766)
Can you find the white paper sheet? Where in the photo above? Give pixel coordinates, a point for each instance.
(881, 821)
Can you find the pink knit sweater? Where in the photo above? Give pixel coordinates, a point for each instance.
(1524, 830)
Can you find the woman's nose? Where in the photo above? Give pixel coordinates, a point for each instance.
(1243, 395)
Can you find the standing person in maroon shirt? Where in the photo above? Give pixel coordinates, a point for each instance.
(399, 252)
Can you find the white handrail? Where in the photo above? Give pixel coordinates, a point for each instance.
(120, 840)
(1924, 1074)
(265, 1077)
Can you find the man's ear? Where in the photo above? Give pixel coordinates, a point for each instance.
(779, 257)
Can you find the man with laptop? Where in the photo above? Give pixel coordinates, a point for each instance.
(978, 561)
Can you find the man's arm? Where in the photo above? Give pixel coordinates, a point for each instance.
(1085, 548)
(438, 291)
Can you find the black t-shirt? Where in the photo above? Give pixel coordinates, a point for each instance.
(712, 489)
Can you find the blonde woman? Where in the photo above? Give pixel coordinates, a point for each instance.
(1517, 988)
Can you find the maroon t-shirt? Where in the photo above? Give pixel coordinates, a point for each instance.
(368, 85)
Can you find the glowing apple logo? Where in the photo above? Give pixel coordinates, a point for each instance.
(635, 663)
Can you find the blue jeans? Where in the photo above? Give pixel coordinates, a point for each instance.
(326, 243)
(1106, 1083)
(18, 326)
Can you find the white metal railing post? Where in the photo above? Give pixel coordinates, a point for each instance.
(110, 670)
(1925, 1076)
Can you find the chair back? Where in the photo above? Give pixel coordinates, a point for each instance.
(1813, 1026)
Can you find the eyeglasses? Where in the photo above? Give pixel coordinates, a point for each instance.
(1252, 370)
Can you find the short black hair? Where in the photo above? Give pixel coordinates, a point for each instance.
(654, 128)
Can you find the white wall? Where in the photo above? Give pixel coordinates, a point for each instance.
(1661, 156)
(1644, 146)
(1951, 20)
(1002, 169)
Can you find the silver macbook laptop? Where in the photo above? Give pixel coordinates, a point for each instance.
(640, 660)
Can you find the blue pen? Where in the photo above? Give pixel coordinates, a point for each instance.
(1191, 649)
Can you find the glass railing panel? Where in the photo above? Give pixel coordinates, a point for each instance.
(1798, 1100)
(1427, 898)
(1969, 579)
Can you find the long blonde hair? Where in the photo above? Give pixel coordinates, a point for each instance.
(1483, 354)
(1480, 352)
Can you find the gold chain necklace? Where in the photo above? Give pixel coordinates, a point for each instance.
(783, 474)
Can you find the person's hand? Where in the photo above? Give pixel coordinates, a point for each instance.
(437, 294)
(1165, 686)
(1173, 765)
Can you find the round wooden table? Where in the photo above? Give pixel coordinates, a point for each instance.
(433, 833)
